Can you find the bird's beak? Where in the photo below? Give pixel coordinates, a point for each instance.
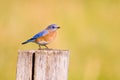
(58, 27)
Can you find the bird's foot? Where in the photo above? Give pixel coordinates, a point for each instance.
(39, 48)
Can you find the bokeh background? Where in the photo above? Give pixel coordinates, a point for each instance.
(90, 29)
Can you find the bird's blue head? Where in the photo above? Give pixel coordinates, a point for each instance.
(53, 27)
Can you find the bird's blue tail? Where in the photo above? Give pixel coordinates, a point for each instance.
(30, 40)
(24, 42)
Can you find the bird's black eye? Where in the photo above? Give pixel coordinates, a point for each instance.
(53, 27)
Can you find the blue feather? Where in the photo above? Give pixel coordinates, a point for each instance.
(40, 34)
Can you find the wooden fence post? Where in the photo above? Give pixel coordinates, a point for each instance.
(42, 65)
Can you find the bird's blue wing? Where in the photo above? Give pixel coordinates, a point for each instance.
(40, 34)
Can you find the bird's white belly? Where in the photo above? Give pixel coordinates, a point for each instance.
(42, 42)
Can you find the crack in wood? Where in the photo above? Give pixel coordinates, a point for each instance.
(33, 65)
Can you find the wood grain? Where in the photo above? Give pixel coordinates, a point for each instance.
(47, 65)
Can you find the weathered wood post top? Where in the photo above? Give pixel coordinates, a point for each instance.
(45, 64)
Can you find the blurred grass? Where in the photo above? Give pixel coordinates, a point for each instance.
(89, 29)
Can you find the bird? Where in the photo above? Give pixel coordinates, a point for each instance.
(44, 37)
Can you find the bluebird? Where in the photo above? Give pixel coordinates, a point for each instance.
(44, 37)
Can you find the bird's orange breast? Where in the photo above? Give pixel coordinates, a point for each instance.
(47, 38)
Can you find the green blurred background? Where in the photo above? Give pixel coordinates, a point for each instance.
(90, 29)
